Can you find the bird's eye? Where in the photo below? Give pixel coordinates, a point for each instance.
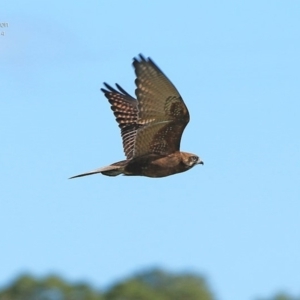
(193, 159)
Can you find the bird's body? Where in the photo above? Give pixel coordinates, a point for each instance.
(151, 126)
(152, 165)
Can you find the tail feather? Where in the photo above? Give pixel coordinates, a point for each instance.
(112, 170)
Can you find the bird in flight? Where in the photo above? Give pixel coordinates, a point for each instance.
(151, 125)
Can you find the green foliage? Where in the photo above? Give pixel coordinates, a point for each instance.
(148, 285)
(160, 285)
(282, 296)
(50, 288)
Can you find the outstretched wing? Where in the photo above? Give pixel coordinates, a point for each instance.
(125, 110)
(162, 113)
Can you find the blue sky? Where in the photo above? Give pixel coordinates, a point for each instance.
(235, 220)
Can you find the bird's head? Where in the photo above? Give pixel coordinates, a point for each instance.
(190, 159)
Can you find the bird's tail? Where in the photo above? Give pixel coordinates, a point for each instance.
(112, 170)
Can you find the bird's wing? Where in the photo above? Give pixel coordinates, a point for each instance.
(162, 113)
(125, 110)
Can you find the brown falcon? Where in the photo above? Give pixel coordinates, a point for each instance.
(151, 126)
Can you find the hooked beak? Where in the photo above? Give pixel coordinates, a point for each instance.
(200, 162)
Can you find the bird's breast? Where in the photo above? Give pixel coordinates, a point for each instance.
(155, 165)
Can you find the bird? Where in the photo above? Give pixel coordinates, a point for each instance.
(151, 125)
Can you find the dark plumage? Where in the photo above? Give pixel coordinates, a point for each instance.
(151, 126)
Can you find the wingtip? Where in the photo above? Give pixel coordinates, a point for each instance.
(139, 58)
(142, 57)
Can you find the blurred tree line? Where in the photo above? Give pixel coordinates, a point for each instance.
(149, 285)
